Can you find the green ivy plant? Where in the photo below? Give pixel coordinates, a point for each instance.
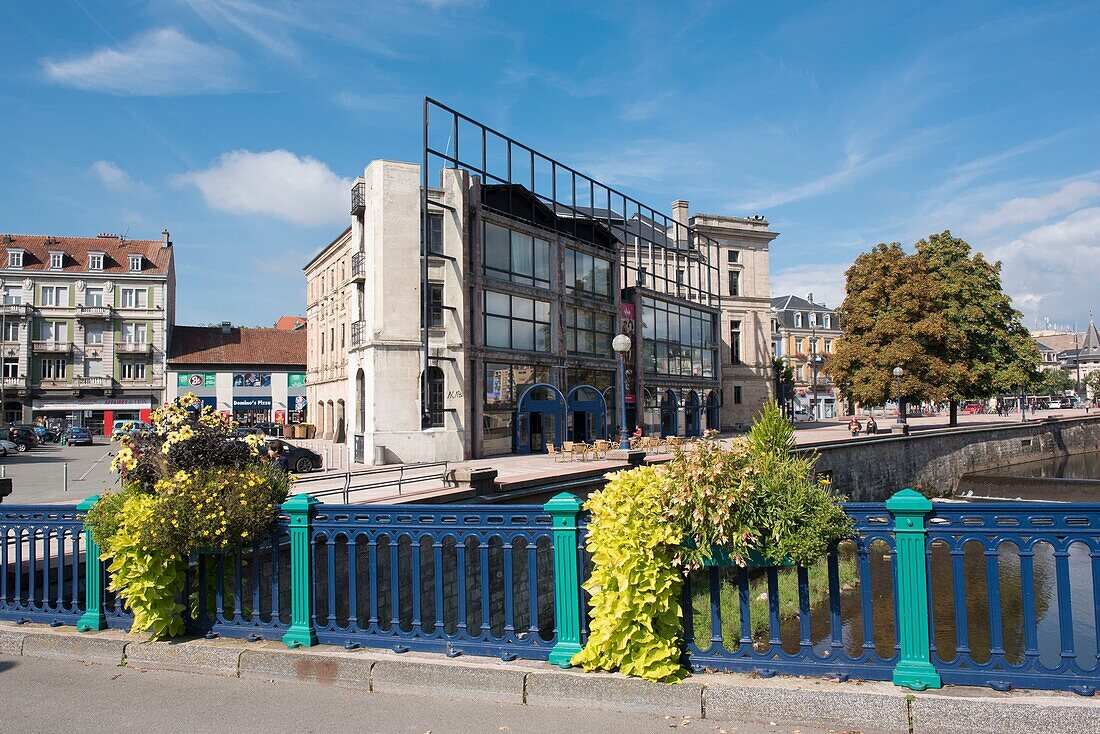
(635, 586)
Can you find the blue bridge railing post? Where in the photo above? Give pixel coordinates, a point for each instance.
(93, 619)
(914, 669)
(563, 509)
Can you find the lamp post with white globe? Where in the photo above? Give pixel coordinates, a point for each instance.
(621, 344)
(898, 372)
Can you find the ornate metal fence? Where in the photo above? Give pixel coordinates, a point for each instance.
(41, 560)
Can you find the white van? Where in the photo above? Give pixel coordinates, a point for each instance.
(132, 427)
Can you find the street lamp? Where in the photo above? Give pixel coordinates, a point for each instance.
(621, 344)
(898, 372)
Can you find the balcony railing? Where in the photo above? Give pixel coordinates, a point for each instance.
(10, 382)
(358, 266)
(99, 381)
(358, 333)
(18, 310)
(358, 198)
(93, 312)
(52, 346)
(133, 347)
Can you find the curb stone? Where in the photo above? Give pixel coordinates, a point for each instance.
(344, 670)
(614, 691)
(461, 679)
(86, 648)
(191, 656)
(939, 714)
(11, 643)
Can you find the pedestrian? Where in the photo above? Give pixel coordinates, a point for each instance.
(638, 432)
(872, 427)
(276, 457)
(854, 426)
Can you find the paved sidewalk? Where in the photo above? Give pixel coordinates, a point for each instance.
(709, 702)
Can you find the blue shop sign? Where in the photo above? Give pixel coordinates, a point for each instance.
(252, 402)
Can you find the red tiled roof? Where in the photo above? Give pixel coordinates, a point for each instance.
(290, 323)
(202, 345)
(36, 253)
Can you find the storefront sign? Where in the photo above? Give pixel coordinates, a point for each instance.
(108, 404)
(251, 379)
(255, 402)
(296, 379)
(299, 402)
(626, 317)
(194, 379)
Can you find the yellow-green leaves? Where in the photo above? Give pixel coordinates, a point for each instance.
(635, 587)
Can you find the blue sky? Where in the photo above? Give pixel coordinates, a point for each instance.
(238, 125)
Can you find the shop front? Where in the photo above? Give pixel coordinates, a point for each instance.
(202, 385)
(98, 415)
(295, 398)
(250, 410)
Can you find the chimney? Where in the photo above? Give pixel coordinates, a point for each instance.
(810, 297)
(680, 211)
(167, 238)
(227, 326)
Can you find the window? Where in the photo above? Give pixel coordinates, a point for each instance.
(134, 297)
(11, 368)
(435, 234)
(13, 295)
(11, 331)
(798, 321)
(332, 338)
(93, 367)
(736, 394)
(677, 340)
(93, 297)
(93, 334)
(735, 283)
(57, 260)
(828, 346)
(135, 263)
(55, 295)
(435, 305)
(813, 319)
(53, 331)
(15, 258)
(828, 321)
(588, 332)
(517, 257)
(735, 342)
(133, 333)
(733, 256)
(513, 322)
(587, 274)
(54, 369)
(95, 261)
(433, 411)
(132, 370)
(343, 329)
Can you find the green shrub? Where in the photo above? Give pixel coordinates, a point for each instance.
(635, 586)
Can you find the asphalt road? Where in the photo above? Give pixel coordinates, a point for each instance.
(61, 695)
(37, 474)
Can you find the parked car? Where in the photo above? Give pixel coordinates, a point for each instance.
(298, 458)
(44, 434)
(972, 408)
(242, 431)
(78, 436)
(801, 414)
(23, 438)
(134, 428)
(7, 447)
(270, 428)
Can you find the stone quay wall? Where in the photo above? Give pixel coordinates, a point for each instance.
(871, 469)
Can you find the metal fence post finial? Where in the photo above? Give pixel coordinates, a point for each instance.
(914, 669)
(301, 632)
(563, 509)
(93, 618)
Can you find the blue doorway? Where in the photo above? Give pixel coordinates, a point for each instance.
(587, 414)
(540, 419)
(670, 419)
(693, 416)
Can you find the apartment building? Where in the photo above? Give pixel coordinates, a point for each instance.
(85, 323)
(804, 333)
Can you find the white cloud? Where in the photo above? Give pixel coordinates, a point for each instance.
(117, 179)
(1024, 211)
(824, 280)
(276, 183)
(1050, 271)
(163, 62)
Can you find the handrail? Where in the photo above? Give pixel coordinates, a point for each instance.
(402, 479)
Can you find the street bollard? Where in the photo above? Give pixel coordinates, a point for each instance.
(64, 476)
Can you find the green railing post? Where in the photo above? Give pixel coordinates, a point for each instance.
(301, 632)
(563, 509)
(914, 669)
(93, 618)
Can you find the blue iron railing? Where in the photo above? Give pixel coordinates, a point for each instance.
(827, 628)
(1015, 594)
(41, 563)
(476, 579)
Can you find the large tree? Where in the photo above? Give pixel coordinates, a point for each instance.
(996, 353)
(892, 317)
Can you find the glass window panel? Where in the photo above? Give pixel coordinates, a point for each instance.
(496, 303)
(497, 331)
(648, 330)
(542, 260)
(570, 316)
(602, 277)
(673, 328)
(570, 269)
(685, 329)
(523, 262)
(523, 335)
(542, 311)
(542, 337)
(523, 308)
(660, 319)
(603, 322)
(571, 340)
(584, 319)
(497, 248)
(584, 342)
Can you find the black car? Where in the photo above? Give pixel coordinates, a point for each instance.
(23, 438)
(78, 435)
(242, 431)
(299, 460)
(270, 428)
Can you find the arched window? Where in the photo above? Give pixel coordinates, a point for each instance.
(360, 402)
(433, 412)
(798, 320)
(813, 319)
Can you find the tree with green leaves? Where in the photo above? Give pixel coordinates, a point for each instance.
(892, 317)
(996, 352)
(1051, 382)
(783, 374)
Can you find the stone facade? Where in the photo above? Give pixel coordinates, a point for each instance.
(330, 285)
